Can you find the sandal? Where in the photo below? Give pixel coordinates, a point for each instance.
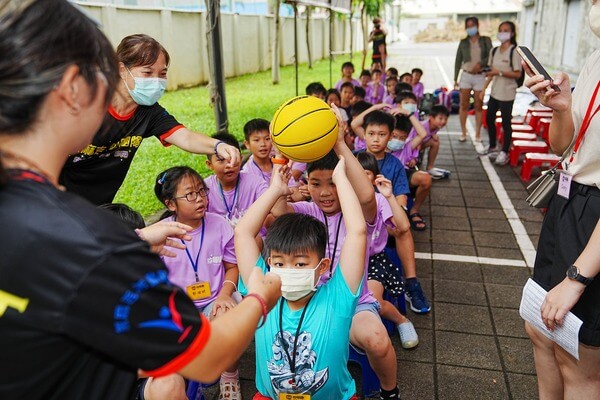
(416, 222)
(462, 139)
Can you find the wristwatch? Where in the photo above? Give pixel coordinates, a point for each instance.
(573, 273)
(500, 73)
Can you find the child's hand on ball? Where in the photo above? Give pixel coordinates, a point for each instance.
(280, 178)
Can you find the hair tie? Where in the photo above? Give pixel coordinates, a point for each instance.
(161, 180)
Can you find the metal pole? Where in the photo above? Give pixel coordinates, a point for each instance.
(216, 65)
(330, 45)
(296, 43)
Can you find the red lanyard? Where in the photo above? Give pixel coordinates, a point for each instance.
(586, 121)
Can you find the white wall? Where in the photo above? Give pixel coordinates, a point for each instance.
(247, 39)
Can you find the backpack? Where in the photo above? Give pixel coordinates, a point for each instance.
(454, 97)
(427, 102)
(521, 78)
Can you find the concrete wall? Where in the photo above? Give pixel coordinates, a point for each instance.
(544, 27)
(247, 39)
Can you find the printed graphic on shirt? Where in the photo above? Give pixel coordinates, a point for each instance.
(305, 380)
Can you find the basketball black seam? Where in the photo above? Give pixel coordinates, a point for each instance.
(302, 116)
(288, 146)
(284, 106)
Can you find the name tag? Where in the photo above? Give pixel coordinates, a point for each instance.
(293, 396)
(564, 185)
(198, 290)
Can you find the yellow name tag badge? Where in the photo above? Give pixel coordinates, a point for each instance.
(293, 396)
(198, 290)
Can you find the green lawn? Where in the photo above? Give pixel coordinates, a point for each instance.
(248, 96)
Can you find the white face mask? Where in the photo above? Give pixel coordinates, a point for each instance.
(297, 283)
(410, 107)
(504, 36)
(594, 19)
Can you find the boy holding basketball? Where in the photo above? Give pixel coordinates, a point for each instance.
(367, 331)
(377, 127)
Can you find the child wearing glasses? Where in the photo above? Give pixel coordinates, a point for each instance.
(207, 268)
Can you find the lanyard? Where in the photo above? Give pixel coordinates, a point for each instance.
(229, 210)
(264, 175)
(18, 174)
(195, 264)
(586, 121)
(292, 358)
(337, 237)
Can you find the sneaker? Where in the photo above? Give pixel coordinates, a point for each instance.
(502, 159)
(230, 391)
(436, 173)
(408, 335)
(416, 298)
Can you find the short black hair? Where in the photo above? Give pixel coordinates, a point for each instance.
(316, 88)
(376, 71)
(128, 215)
(255, 125)
(391, 78)
(437, 110)
(405, 74)
(365, 72)
(359, 107)
(368, 162)
(347, 85)
(360, 91)
(403, 123)
(417, 71)
(402, 87)
(295, 232)
(326, 163)
(227, 138)
(347, 64)
(405, 95)
(393, 71)
(379, 118)
(472, 18)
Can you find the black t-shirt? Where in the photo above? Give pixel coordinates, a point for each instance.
(97, 172)
(83, 302)
(378, 40)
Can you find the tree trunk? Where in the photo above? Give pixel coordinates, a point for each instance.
(310, 64)
(276, 38)
(363, 24)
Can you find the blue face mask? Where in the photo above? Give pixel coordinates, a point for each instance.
(410, 107)
(395, 144)
(147, 91)
(472, 31)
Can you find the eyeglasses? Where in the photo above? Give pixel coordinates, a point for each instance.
(193, 196)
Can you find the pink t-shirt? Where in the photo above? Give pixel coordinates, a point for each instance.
(232, 204)
(216, 248)
(337, 232)
(379, 236)
(374, 94)
(338, 85)
(251, 167)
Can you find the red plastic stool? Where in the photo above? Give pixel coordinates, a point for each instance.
(536, 116)
(543, 129)
(525, 146)
(536, 160)
(515, 129)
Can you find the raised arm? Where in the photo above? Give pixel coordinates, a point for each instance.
(352, 256)
(421, 132)
(384, 186)
(355, 173)
(359, 120)
(199, 143)
(246, 248)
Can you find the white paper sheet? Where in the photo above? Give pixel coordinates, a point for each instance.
(566, 336)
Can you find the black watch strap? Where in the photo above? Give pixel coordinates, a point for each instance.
(573, 273)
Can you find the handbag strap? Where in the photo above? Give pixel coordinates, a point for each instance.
(564, 156)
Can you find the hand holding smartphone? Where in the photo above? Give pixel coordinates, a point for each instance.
(535, 66)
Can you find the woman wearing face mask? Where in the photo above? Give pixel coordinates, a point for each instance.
(567, 261)
(505, 69)
(471, 57)
(97, 171)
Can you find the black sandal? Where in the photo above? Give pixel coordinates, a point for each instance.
(416, 222)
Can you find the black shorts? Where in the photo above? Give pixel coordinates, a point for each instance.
(139, 391)
(382, 270)
(409, 173)
(566, 230)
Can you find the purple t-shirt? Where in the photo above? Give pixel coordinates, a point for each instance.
(252, 168)
(428, 137)
(389, 99)
(359, 144)
(384, 219)
(418, 90)
(374, 94)
(338, 85)
(333, 222)
(232, 204)
(216, 248)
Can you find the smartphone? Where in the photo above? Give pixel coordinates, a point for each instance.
(535, 65)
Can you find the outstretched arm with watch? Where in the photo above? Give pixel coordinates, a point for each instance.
(565, 295)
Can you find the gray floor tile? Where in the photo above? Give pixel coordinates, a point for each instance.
(444, 248)
(423, 352)
(416, 380)
(476, 185)
(467, 350)
(486, 213)
(459, 212)
(463, 238)
(482, 193)
(517, 355)
(508, 322)
(496, 239)
(459, 292)
(466, 176)
(503, 296)
(523, 387)
(456, 271)
(454, 201)
(486, 225)
(496, 252)
(462, 318)
(459, 224)
(423, 247)
(455, 383)
(482, 202)
(516, 276)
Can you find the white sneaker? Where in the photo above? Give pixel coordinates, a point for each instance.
(436, 173)
(502, 159)
(408, 335)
